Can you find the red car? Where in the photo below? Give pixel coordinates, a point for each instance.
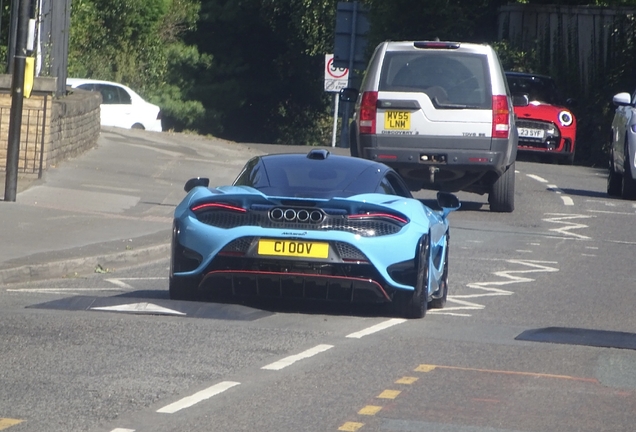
(544, 124)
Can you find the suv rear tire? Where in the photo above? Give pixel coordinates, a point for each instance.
(502, 193)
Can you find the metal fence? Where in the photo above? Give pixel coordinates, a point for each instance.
(31, 154)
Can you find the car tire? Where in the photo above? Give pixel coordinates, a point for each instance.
(438, 300)
(629, 184)
(181, 288)
(502, 193)
(614, 182)
(414, 304)
(353, 145)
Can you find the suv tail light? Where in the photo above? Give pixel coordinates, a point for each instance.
(368, 112)
(500, 116)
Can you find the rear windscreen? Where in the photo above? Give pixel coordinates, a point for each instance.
(449, 78)
(299, 176)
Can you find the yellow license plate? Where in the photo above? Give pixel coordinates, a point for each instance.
(400, 120)
(293, 248)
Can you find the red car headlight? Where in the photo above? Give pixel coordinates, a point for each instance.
(566, 118)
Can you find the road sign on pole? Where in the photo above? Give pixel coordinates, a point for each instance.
(336, 78)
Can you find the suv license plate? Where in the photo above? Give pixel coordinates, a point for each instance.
(293, 248)
(397, 120)
(531, 133)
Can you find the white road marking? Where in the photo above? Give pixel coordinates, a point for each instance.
(142, 307)
(523, 251)
(60, 290)
(187, 402)
(466, 305)
(612, 212)
(280, 364)
(122, 430)
(119, 283)
(566, 199)
(562, 218)
(490, 289)
(376, 328)
(537, 178)
(144, 278)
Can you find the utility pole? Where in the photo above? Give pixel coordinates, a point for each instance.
(17, 95)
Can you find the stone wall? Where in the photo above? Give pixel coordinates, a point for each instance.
(53, 129)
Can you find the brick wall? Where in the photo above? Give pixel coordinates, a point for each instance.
(53, 129)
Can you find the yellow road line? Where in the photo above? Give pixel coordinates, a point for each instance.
(425, 368)
(429, 368)
(389, 394)
(370, 410)
(6, 423)
(406, 380)
(350, 426)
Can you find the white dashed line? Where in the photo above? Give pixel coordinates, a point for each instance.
(376, 328)
(566, 199)
(537, 178)
(187, 402)
(280, 364)
(122, 430)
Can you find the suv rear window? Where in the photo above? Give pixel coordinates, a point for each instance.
(450, 79)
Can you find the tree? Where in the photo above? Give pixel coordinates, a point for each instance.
(139, 43)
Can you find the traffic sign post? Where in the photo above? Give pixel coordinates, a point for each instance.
(352, 26)
(336, 78)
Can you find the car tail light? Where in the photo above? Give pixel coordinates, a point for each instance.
(217, 206)
(500, 116)
(368, 112)
(386, 216)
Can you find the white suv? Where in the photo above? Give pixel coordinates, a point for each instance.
(441, 114)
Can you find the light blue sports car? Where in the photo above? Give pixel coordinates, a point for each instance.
(317, 226)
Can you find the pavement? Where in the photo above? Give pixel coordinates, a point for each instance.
(112, 206)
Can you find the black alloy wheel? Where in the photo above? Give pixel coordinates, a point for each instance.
(414, 304)
(438, 300)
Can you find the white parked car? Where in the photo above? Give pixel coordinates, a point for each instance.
(121, 106)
